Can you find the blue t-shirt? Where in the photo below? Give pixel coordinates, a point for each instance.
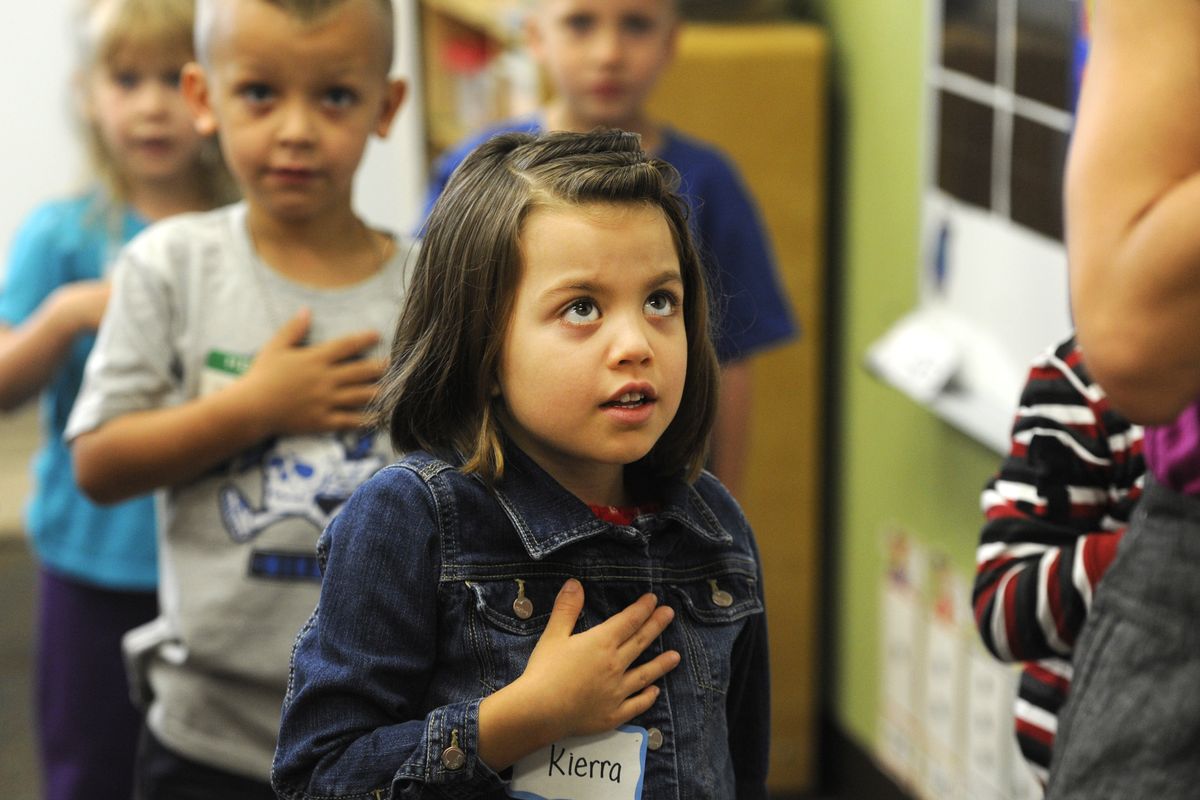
(752, 311)
(113, 546)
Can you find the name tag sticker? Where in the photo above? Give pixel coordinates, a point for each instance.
(606, 766)
(220, 370)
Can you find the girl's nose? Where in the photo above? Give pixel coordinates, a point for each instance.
(631, 343)
(155, 97)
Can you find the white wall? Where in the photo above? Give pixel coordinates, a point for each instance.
(43, 156)
(390, 191)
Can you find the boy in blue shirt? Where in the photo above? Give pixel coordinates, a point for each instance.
(603, 59)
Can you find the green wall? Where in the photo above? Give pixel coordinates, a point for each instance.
(900, 465)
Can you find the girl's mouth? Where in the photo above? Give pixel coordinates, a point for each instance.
(154, 144)
(629, 400)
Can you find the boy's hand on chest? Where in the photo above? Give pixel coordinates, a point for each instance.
(293, 388)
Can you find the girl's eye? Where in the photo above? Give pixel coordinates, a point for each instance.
(662, 304)
(581, 312)
(126, 79)
(340, 97)
(579, 24)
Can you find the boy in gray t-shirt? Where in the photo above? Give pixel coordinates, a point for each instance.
(232, 370)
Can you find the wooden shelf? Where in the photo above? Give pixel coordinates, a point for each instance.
(475, 72)
(500, 19)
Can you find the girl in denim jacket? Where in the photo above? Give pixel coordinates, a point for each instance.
(553, 382)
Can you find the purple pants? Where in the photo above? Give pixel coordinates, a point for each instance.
(87, 726)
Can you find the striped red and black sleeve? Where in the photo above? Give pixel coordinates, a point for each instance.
(1054, 512)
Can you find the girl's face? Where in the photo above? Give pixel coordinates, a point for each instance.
(134, 101)
(603, 56)
(595, 353)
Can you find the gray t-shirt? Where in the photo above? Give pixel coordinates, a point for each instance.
(191, 305)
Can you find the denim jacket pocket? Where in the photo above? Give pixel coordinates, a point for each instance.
(713, 613)
(508, 617)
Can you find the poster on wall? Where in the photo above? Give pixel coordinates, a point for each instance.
(945, 728)
(1001, 85)
(945, 701)
(900, 742)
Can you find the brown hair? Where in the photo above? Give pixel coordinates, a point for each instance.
(437, 394)
(105, 27)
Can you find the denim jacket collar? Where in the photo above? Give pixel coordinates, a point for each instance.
(548, 517)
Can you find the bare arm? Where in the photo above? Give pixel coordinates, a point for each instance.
(289, 389)
(731, 433)
(32, 352)
(1133, 206)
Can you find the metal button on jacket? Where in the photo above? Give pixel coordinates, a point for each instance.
(453, 756)
(654, 738)
(522, 606)
(720, 597)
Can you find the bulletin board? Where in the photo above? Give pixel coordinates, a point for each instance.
(1001, 83)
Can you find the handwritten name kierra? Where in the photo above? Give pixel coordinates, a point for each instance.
(580, 767)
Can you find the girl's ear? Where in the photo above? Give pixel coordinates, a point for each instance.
(393, 99)
(193, 83)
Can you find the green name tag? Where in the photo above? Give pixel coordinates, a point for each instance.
(222, 369)
(231, 363)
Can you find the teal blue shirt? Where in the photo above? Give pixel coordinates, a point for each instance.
(113, 546)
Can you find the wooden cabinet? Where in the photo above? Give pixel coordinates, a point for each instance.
(759, 92)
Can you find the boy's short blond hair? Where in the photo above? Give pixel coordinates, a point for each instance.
(304, 10)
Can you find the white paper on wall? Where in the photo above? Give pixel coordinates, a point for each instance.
(945, 693)
(991, 688)
(1023, 785)
(900, 746)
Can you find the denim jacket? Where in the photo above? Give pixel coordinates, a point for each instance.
(416, 624)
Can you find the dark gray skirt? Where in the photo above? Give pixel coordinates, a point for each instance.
(1131, 725)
